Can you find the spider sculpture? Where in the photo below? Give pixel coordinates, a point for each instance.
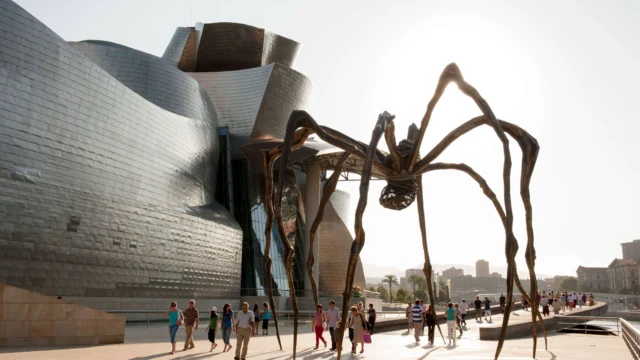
(403, 168)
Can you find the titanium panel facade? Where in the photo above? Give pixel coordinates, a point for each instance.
(335, 247)
(102, 193)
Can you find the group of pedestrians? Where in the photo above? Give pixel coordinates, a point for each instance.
(560, 301)
(360, 323)
(483, 304)
(244, 323)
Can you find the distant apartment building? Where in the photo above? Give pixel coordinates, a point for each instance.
(631, 250)
(404, 283)
(482, 268)
(496, 275)
(593, 279)
(470, 283)
(623, 276)
(452, 272)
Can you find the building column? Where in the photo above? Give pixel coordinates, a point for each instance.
(312, 201)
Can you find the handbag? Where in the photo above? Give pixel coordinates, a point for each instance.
(367, 338)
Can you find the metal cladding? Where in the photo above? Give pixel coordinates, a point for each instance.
(335, 247)
(106, 191)
(231, 46)
(255, 103)
(109, 158)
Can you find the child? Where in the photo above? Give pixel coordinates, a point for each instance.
(266, 316)
(211, 329)
(256, 319)
(456, 307)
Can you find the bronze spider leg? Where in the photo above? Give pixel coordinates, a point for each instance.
(294, 140)
(390, 138)
(358, 242)
(452, 73)
(427, 261)
(530, 149)
(327, 190)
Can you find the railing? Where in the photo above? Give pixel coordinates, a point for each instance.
(286, 317)
(576, 322)
(631, 337)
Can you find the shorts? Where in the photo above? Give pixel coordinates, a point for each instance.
(265, 324)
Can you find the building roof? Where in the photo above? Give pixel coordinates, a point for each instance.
(587, 268)
(623, 262)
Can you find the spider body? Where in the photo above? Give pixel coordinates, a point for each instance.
(403, 169)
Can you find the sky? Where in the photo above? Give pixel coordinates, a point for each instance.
(566, 71)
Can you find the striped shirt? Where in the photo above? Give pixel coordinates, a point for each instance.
(416, 313)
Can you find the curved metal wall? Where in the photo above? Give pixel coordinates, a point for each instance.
(176, 46)
(255, 103)
(102, 193)
(335, 247)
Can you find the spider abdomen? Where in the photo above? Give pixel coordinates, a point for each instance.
(399, 193)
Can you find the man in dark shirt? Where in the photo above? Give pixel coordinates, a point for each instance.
(478, 305)
(503, 302)
(191, 321)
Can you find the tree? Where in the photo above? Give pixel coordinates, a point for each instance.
(417, 281)
(569, 284)
(372, 288)
(402, 295)
(384, 294)
(422, 295)
(391, 280)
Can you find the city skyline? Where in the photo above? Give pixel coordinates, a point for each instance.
(548, 62)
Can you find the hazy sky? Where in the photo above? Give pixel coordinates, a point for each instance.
(567, 72)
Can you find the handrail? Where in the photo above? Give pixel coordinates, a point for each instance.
(288, 315)
(572, 323)
(631, 337)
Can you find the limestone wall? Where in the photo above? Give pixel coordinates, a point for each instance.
(28, 318)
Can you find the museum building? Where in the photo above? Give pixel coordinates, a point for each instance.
(128, 179)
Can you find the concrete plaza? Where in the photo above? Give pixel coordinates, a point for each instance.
(143, 343)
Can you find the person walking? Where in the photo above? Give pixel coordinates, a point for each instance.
(191, 321)
(580, 301)
(450, 315)
(571, 299)
(333, 316)
(266, 316)
(416, 318)
(463, 312)
(556, 307)
(211, 329)
(503, 302)
(544, 302)
(256, 319)
(487, 308)
(430, 317)
(456, 307)
(478, 305)
(175, 320)
(409, 317)
(359, 325)
(228, 320)
(371, 317)
(563, 302)
(244, 324)
(319, 318)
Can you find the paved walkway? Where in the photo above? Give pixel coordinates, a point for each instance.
(151, 344)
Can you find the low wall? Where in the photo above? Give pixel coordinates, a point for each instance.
(523, 329)
(28, 318)
(384, 325)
